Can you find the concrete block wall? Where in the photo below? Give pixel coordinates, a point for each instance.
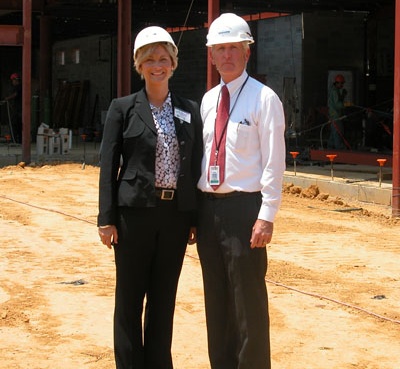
(279, 50)
(279, 56)
(190, 78)
(97, 64)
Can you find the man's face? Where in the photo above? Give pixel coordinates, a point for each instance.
(339, 84)
(230, 59)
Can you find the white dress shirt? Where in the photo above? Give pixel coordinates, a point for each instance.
(255, 143)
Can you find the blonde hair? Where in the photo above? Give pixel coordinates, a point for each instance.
(143, 53)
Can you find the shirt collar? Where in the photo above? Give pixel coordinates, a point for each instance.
(166, 104)
(235, 85)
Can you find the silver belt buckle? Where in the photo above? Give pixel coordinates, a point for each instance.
(167, 194)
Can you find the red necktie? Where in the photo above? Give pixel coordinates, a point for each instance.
(217, 156)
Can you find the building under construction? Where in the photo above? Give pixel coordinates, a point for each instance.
(74, 56)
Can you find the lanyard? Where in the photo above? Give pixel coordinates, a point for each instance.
(218, 142)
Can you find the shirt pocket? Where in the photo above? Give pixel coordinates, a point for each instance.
(241, 136)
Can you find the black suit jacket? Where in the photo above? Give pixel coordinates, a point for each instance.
(127, 156)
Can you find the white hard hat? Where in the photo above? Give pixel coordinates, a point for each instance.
(228, 27)
(151, 35)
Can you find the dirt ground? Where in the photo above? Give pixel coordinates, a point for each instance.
(333, 280)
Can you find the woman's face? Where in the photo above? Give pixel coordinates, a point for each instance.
(157, 67)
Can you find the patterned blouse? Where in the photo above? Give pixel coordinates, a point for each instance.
(167, 148)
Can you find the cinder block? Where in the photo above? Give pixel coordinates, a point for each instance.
(64, 140)
(54, 145)
(44, 130)
(42, 144)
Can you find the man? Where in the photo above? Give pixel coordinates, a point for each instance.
(15, 98)
(336, 113)
(241, 194)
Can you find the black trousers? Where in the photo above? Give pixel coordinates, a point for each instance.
(234, 283)
(148, 257)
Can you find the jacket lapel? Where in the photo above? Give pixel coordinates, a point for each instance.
(142, 109)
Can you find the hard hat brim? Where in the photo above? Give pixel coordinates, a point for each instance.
(135, 51)
(228, 40)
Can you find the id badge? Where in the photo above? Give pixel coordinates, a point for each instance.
(214, 175)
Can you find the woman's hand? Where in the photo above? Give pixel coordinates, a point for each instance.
(108, 235)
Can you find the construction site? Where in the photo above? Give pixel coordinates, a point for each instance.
(332, 279)
(71, 67)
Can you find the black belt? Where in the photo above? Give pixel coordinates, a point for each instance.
(213, 195)
(165, 193)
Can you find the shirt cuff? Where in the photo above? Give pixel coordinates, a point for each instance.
(267, 213)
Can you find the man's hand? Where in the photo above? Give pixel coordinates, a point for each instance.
(261, 234)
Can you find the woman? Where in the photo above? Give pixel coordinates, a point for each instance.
(150, 164)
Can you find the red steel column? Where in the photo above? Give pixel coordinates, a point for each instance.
(212, 74)
(124, 53)
(26, 81)
(396, 117)
(45, 70)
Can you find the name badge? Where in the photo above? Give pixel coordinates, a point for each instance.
(182, 115)
(214, 174)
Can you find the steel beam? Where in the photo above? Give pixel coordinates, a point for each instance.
(212, 74)
(12, 5)
(27, 81)
(396, 117)
(11, 35)
(124, 57)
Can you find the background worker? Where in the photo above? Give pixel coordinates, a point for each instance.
(147, 205)
(241, 181)
(336, 98)
(15, 100)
